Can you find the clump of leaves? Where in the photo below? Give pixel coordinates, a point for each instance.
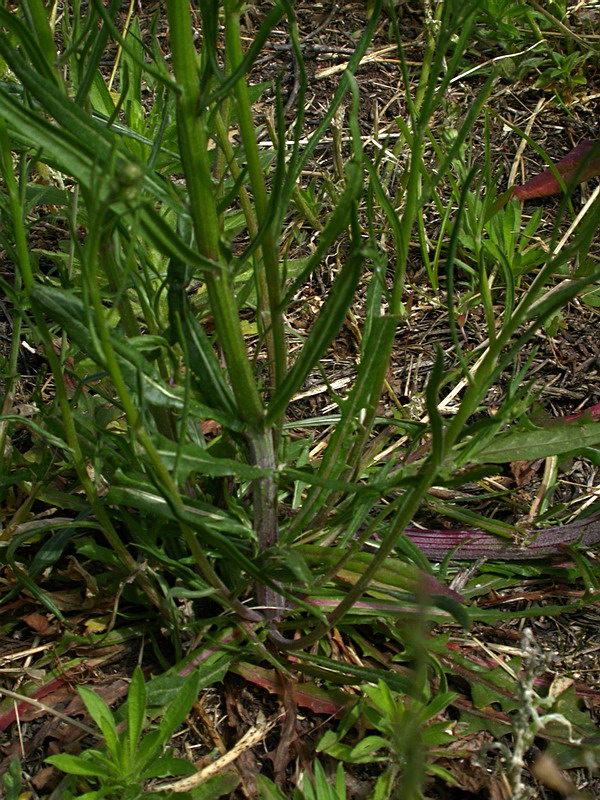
(132, 756)
(165, 332)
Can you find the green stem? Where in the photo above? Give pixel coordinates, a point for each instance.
(194, 156)
(413, 500)
(432, 24)
(229, 156)
(24, 273)
(266, 523)
(16, 212)
(272, 312)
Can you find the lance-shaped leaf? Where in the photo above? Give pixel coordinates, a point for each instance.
(209, 381)
(518, 445)
(581, 164)
(473, 544)
(191, 458)
(394, 574)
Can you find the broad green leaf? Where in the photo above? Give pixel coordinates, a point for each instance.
(217, 786)
(38, 194)
(365, 750)
(103, 717)
(12, 780)
(436, 734)
(192, 458)
(267, 789)
(384, 787)
(323, 789)
(149, 749)
(162, 690)
(541, 443)
(168, 765)
(439, 702)
(571, 755)
(75, 765)
(340, 782)
(101, 99)
(382, 697)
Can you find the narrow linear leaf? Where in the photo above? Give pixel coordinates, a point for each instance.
(60, 149)
(136, 709)
(336, 223)
(344, 673)
(102, 716)
(196, 346)
(180, 706)
(328, 323)
(141, 376)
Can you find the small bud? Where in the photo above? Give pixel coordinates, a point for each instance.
(127, 180)
(130, 174)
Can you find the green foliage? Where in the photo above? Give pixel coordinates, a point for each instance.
(131, 756)
(405, 744)
(317, 788)
(185, 240)
(503, 21)
(12, 780)
(525, 33)
(566, 74)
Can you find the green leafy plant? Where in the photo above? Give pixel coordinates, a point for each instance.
(319, 788)
(405, 736)
(565, 75)
(132, 756)
(164, 327)
(507, 22)
(12, 780)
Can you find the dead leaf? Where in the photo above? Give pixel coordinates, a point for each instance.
(39, 623)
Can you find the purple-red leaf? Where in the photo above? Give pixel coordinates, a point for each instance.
(473, 544)
(581, 164)
(332, 702)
